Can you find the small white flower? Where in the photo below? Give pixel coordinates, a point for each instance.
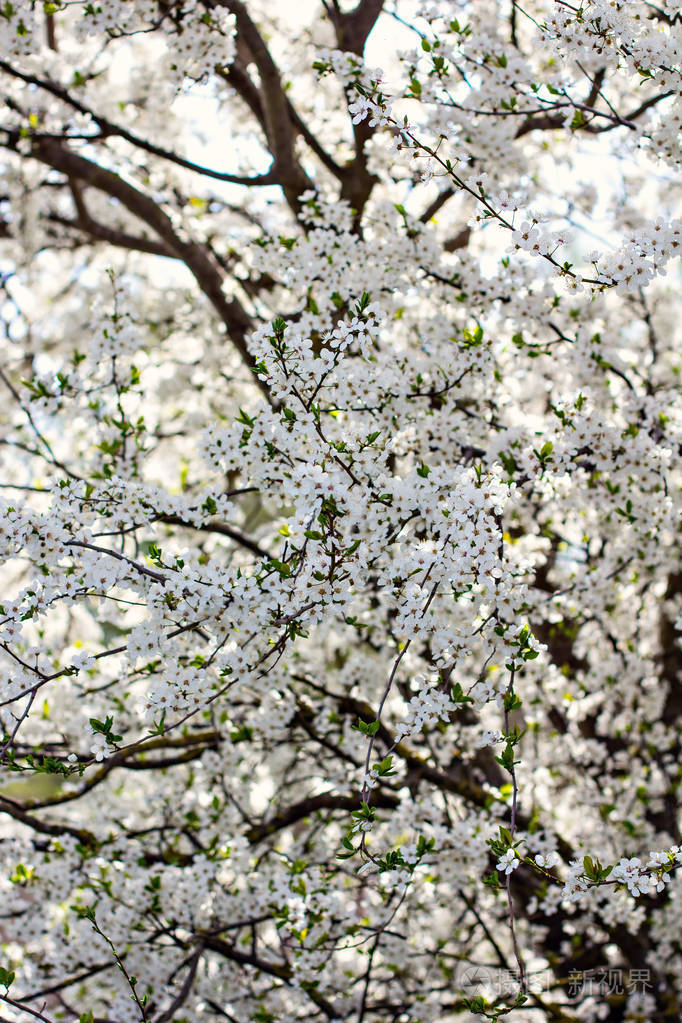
(488, 738)
(82, 661)
(547, 860)
(508, 862)
(99, 746)
(359, 108)
(526, 236)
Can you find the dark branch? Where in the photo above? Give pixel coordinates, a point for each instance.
(276, 121)
(353, 27)
(109, 129)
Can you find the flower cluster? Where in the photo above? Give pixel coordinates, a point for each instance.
(340, 508)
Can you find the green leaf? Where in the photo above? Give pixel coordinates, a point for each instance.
(506, 758)
(458, 695)
(511, 701)
(6, 978)
(384, 768)
(367, 728)
(505, 836)
(158, 727)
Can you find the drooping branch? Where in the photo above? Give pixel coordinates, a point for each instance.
(237, 321)
(86, 225)
(109, 129)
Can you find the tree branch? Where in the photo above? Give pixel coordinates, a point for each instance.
(237, 321)
(109, 129)
(353, 27)
(276, 121)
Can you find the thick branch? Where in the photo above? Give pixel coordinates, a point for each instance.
(122, 240)
(281, 971)
(276, 115)
(307, 807)
(238, 77)
(353, 27)
(215, 526)
(13, 809)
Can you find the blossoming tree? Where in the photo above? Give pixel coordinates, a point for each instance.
(340, 485)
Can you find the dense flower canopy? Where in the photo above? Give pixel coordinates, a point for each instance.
(340, 670)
